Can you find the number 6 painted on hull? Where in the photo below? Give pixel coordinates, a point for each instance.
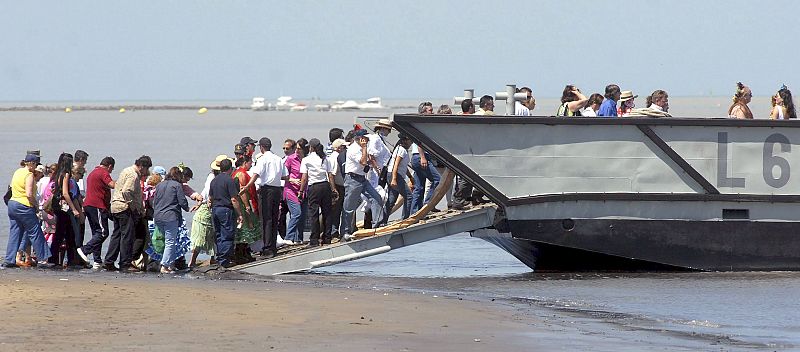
(771, 161)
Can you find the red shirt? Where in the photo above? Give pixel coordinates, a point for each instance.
(98, 194)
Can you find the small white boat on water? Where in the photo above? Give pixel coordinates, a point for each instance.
(284, 103)
(372, 104)
(299, 107)
(259, 103)
(350, 105)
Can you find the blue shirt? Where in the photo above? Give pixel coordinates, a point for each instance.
(607, 109)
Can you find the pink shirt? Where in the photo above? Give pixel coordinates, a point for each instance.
(290, 190)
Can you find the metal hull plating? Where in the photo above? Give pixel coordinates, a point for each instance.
(619, 194)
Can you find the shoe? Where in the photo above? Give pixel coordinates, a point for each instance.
(267, 253)
(313, 245)
(326, 241)
(296, 243)
(227, 265)
(459, 206)
(110, 267)
(130, 270)
(348, 237)
(83, 256)
(97, 266)
(9, 265)
(165, 270)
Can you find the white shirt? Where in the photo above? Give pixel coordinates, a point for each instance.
(207, 186)
(316, 169)
(588, 112)
(352, 163)
(405, 158)
(377, 148)
(40, 186)
(521, 110)
(338, 176)
(269, 169)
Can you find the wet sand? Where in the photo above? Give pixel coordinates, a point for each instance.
(47, 310)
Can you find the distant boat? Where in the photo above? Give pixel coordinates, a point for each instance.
(322, 107)
(298, 107)
(259, 103)
(284, 103)
(372, 104)
(350, 105)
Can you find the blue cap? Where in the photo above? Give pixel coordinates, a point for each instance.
(360, 133)
(160, 170)
(32, 158)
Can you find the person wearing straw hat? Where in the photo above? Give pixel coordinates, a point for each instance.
(626, 103)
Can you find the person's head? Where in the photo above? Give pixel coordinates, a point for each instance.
(30, 161)
(239, 150)
(595, 100)
(159, 170)
(38, 172)
(64, 167)
(487, 103)
(425, 108)
(405, 141)
(51, 170)
(289, 146)
(659, 98)
(301, 147)
(154, 179)
(627, 99)
(81, 157)
(612, 92)
(245, 161)
(175, 174)
(78, 172)
(187, 172)
(467, 107)
(444, 109)
(785, 96)
(349, 136)
(383, 127)
(335, 133)
(339, 145)
(529, 102)
(743, 94)
(248, 144)
(316, 147)
(108, 162)
(569, 93)
(264, 144)
(225, 165)
(143, 164)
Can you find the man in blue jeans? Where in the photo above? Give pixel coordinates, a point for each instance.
(423, 171)
(355, 184)
(225, 212)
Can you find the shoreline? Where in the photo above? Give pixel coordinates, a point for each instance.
(104, 311)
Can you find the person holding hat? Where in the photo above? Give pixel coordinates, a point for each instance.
(626, 99)
(23, 217)
(609, 106)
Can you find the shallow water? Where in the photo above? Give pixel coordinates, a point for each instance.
(726, 310)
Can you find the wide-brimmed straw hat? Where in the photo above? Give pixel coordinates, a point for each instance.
(217, 160)
(627, 95)
(385, 123)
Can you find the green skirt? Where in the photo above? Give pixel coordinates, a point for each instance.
(248, 234)
(203, 237)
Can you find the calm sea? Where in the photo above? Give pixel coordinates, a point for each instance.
(709, 311)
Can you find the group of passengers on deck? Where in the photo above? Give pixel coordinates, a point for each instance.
(257, 201)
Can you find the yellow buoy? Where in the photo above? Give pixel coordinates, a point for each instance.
(121, 110)
(202, 111)
(68, 109)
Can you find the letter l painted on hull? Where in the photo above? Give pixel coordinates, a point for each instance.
(722, 164)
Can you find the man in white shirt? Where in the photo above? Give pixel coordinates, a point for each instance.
(397, 172)
(524, 108)
(379, 160)
(268, 173)
(355, 183)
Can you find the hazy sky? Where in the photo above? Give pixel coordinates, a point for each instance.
(221, 50)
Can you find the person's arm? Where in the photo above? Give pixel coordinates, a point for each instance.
(410, 180)
(577, 104)
(364, 155)
(244, 195)
(303, 184)
(423, 161)
(395, 166)
(234, 191)
(66, 196)
(29, 193)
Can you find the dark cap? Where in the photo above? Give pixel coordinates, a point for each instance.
(265, 142)
(360, 133)
(247, 140)
(32, 158)
(402, 136)
(238, 149)
(313, 143)
(34, 152)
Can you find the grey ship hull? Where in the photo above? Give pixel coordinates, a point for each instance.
(629, 194)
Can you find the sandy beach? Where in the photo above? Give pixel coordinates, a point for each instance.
(47, 310)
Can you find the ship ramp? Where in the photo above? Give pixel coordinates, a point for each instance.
(434, 226)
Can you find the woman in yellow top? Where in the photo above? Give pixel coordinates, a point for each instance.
(22, 214)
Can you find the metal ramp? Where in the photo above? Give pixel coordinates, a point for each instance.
(441, 225)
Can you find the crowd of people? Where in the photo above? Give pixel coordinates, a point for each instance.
(251, 203)
(257, 201)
